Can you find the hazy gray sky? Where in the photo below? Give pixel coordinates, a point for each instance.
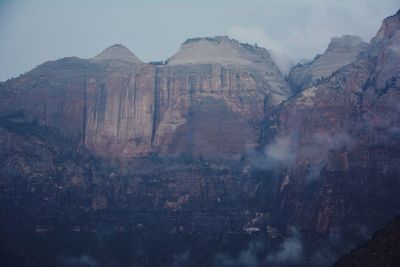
(33, 31)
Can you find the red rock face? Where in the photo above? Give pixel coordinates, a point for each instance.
(384, 48)
(124, 109)
(53, 94)
(340, 52)
(344, 143)
(173, 110)
(119, 111)
(207, 110)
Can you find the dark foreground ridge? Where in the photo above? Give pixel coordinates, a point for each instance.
(383, 249)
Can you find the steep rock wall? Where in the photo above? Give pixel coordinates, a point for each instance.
(342, 139)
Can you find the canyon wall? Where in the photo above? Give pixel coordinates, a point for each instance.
(124, 108)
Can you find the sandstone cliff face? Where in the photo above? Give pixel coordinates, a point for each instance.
(217, 112)
(340, 52)
(116, 106)
(104, 106)
(118, 111)
(212, 95)
(236, 56)
(53, 94)
(343, 140)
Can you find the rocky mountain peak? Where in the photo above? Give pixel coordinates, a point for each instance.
(231, 56)
(389, 26)
(117, 52)
(347, 42)
(217, 40)
(340, 52)
(219, 49)
(386, 45)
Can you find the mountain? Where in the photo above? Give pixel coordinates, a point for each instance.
(231, 54)
(381, 250)
(117, 52)
(118, 107)
(206, 160)
(340, 52)
(339, 142)
(136, 154)
(220, 50)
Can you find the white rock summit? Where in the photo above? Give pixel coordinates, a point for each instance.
(233, 55)
(218, 50)
(340, 52)
(117, 52)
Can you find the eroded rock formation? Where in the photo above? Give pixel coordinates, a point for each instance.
(340, 52)
(342, 135)
(118, 107)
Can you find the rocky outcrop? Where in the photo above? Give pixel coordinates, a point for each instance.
(340, 52)
(385, 53)
(117, 52)
(118, 107)
(218, 50)
(341, 144)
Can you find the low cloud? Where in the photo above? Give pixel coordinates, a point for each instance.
(256, 254)
(290, 251)
(333, 141)
(285, 151)
(282, 150)
(246, 258)
(255, 35)
(319, 149)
